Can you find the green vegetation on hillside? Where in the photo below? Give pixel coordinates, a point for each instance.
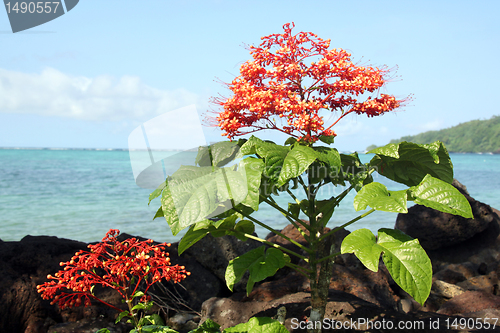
(476, 136)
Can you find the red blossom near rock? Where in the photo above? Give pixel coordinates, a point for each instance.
(122, 266)
(278, 84)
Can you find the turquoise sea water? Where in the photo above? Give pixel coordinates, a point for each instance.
(81, 194)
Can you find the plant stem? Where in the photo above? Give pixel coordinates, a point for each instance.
(319, 280)
(334, 230)
(277, 246)
(329, 257)
(289, 217)
(105, 303)
(273, 230)
(270, 201)
(299, 268)
(298, 203)
(320, 284)
(306, 189)
(134, 316)
(336, 201)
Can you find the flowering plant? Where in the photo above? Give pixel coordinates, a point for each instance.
(278, 90)
(130, 267)
(281, 85)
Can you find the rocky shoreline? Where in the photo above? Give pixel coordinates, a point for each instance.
(465, 255)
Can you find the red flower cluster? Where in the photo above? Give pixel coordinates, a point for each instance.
(122, 266)
(277, 83)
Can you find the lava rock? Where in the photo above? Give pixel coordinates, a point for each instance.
(435, 229)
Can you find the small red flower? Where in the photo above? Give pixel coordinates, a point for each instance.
(122, 266)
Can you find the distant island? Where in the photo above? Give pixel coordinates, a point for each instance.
(476, 136)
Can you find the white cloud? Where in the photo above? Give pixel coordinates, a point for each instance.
(102, 98)
(434, 125)
(350, 127)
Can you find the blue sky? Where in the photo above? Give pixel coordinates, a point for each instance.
(90, 77)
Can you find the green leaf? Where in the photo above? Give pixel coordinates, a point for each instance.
(351, 170)
(103, 330)
(407, 262)
(169, 211)
(246, 227)
(121, 315)
(294, 209)
(223, 152)
(203, 158)
(253, 168)
(408, 163)
(258, 262)
(218, 154)
(273, 155)
(437, 151)
(304, 206)
(153, 319)
(317, 172)
(159, 213)
(296, 162)
(258, 325)
(390, 150)
(194, 194)
(155, 329)
(328, 139)
(208, 326)
(156, 193)
(439, 195)
(217, 229)
(363, 244)
(137, 294)
(378, 197)
(138, 306)
(223, 227)
(192, 236)
(328, 155)
(280, 163)
(326, 208)
(405, 259)
(290, 141)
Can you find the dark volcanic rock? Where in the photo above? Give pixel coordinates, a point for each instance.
(482, 250)
(370, 286)
(290, 283)
(214, 254)
(487, 283)
(24, 265)
(341, 307)
(470, 301)
(201, 285)
(437, 230)
(455, 273)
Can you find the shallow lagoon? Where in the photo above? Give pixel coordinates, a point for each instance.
(81, 194)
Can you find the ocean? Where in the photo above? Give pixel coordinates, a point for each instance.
(81, 194)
